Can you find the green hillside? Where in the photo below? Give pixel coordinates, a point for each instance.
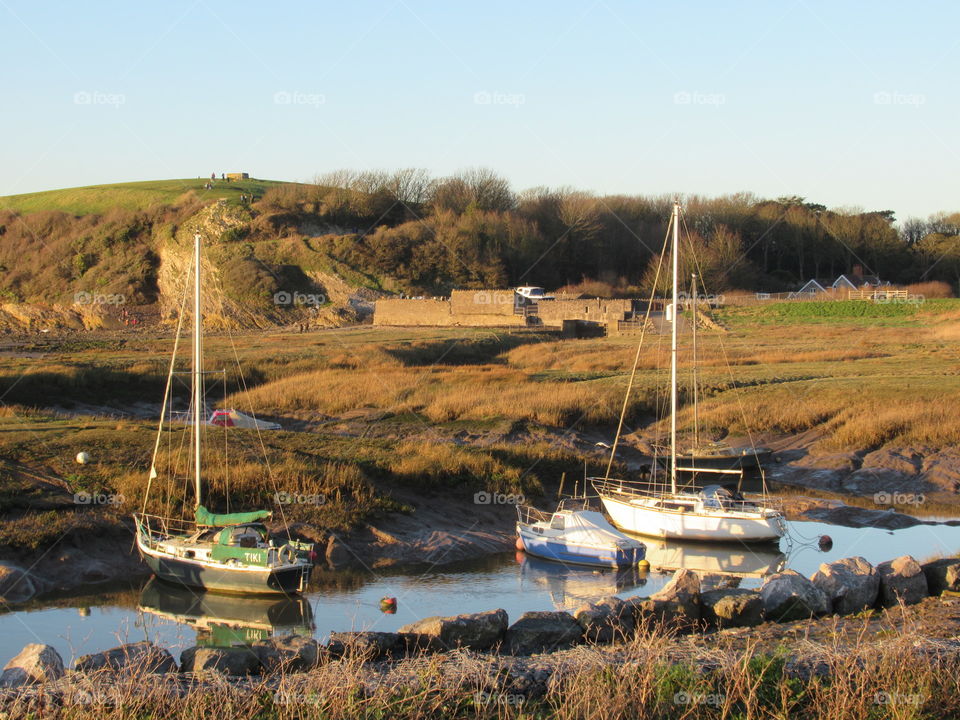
(132, 196)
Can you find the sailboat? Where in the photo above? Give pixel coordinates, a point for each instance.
(718, 512)
(227, 552)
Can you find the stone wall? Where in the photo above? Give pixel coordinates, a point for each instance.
(459, 310)
(552, 313)
(482, 302)
(410, 311)
(493, 308)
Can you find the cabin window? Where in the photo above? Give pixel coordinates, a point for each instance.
(557, 522)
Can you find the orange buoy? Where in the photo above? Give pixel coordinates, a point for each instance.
(519, 544)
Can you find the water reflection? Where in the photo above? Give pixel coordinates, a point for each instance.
(736, 559)
(569, 586)
(223, 620)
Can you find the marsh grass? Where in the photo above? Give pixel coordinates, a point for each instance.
(383, 406)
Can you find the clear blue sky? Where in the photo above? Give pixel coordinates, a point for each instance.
(847, 104)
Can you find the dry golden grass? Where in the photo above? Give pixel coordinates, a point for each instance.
(865, 384)
(646, 677)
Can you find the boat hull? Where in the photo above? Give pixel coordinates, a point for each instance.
(260, 581)
(560, 551)
(635, 517)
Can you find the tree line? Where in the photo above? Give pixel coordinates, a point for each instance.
(472, 229)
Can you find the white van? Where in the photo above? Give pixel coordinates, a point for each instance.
(532, 292)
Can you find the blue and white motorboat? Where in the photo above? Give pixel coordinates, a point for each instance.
(579, 536)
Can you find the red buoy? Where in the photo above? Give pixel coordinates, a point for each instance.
(388, 605)
(826, 542)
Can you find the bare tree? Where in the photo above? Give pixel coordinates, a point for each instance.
(411, 186)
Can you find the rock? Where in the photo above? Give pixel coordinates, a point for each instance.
(606, 620)
(545, 631)
(136, 657)
(368, 645)
(857, 517)
(942, 470)
(676, 605)
(16, 584)
(851, 584)
(731, 607)
(477, 631)
(901, 579)
(420, 643)
(905, 461)
(225, 660)
(790, 596)
(95, 571)
(293, 653)
(942, 574)
(716, 581)
(337, 554)
(36, 663)
(881, 483)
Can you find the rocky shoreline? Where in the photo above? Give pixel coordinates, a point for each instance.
(522, 656)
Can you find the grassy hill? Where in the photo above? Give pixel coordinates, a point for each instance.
(99, 199)
(109, 241)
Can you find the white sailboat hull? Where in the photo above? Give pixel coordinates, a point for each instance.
(642, 516)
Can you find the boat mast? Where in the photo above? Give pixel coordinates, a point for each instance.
(696, 409)
(673, 352)
(197, 366)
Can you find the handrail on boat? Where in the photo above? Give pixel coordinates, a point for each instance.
(159, 525)
(646, 488)
(527, 515)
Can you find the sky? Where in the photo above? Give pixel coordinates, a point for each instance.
(851, 105)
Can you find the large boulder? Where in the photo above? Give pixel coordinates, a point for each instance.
(901, 579)
(16, 584)
(36, 663)
(676, 605)
(851, 584)
(224, 660)
(292, 653)
(606, 620)
(477, 631)
(134, 657)
(367, 644)
(790, 596)
(942, 574)
(537, 632)
(731, 607)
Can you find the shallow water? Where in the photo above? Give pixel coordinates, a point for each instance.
(177, 618)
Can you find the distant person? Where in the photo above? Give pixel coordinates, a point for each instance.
(213, 176)
(223, 176)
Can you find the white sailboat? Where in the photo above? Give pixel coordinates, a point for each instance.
(717, 513)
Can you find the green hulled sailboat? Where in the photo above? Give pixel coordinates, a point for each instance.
(227, 552)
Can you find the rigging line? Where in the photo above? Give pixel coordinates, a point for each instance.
(226, 449)
(256, 425)
(726, 359)
(166, 396)
(636, 358)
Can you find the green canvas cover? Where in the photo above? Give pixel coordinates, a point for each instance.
(205, 517)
